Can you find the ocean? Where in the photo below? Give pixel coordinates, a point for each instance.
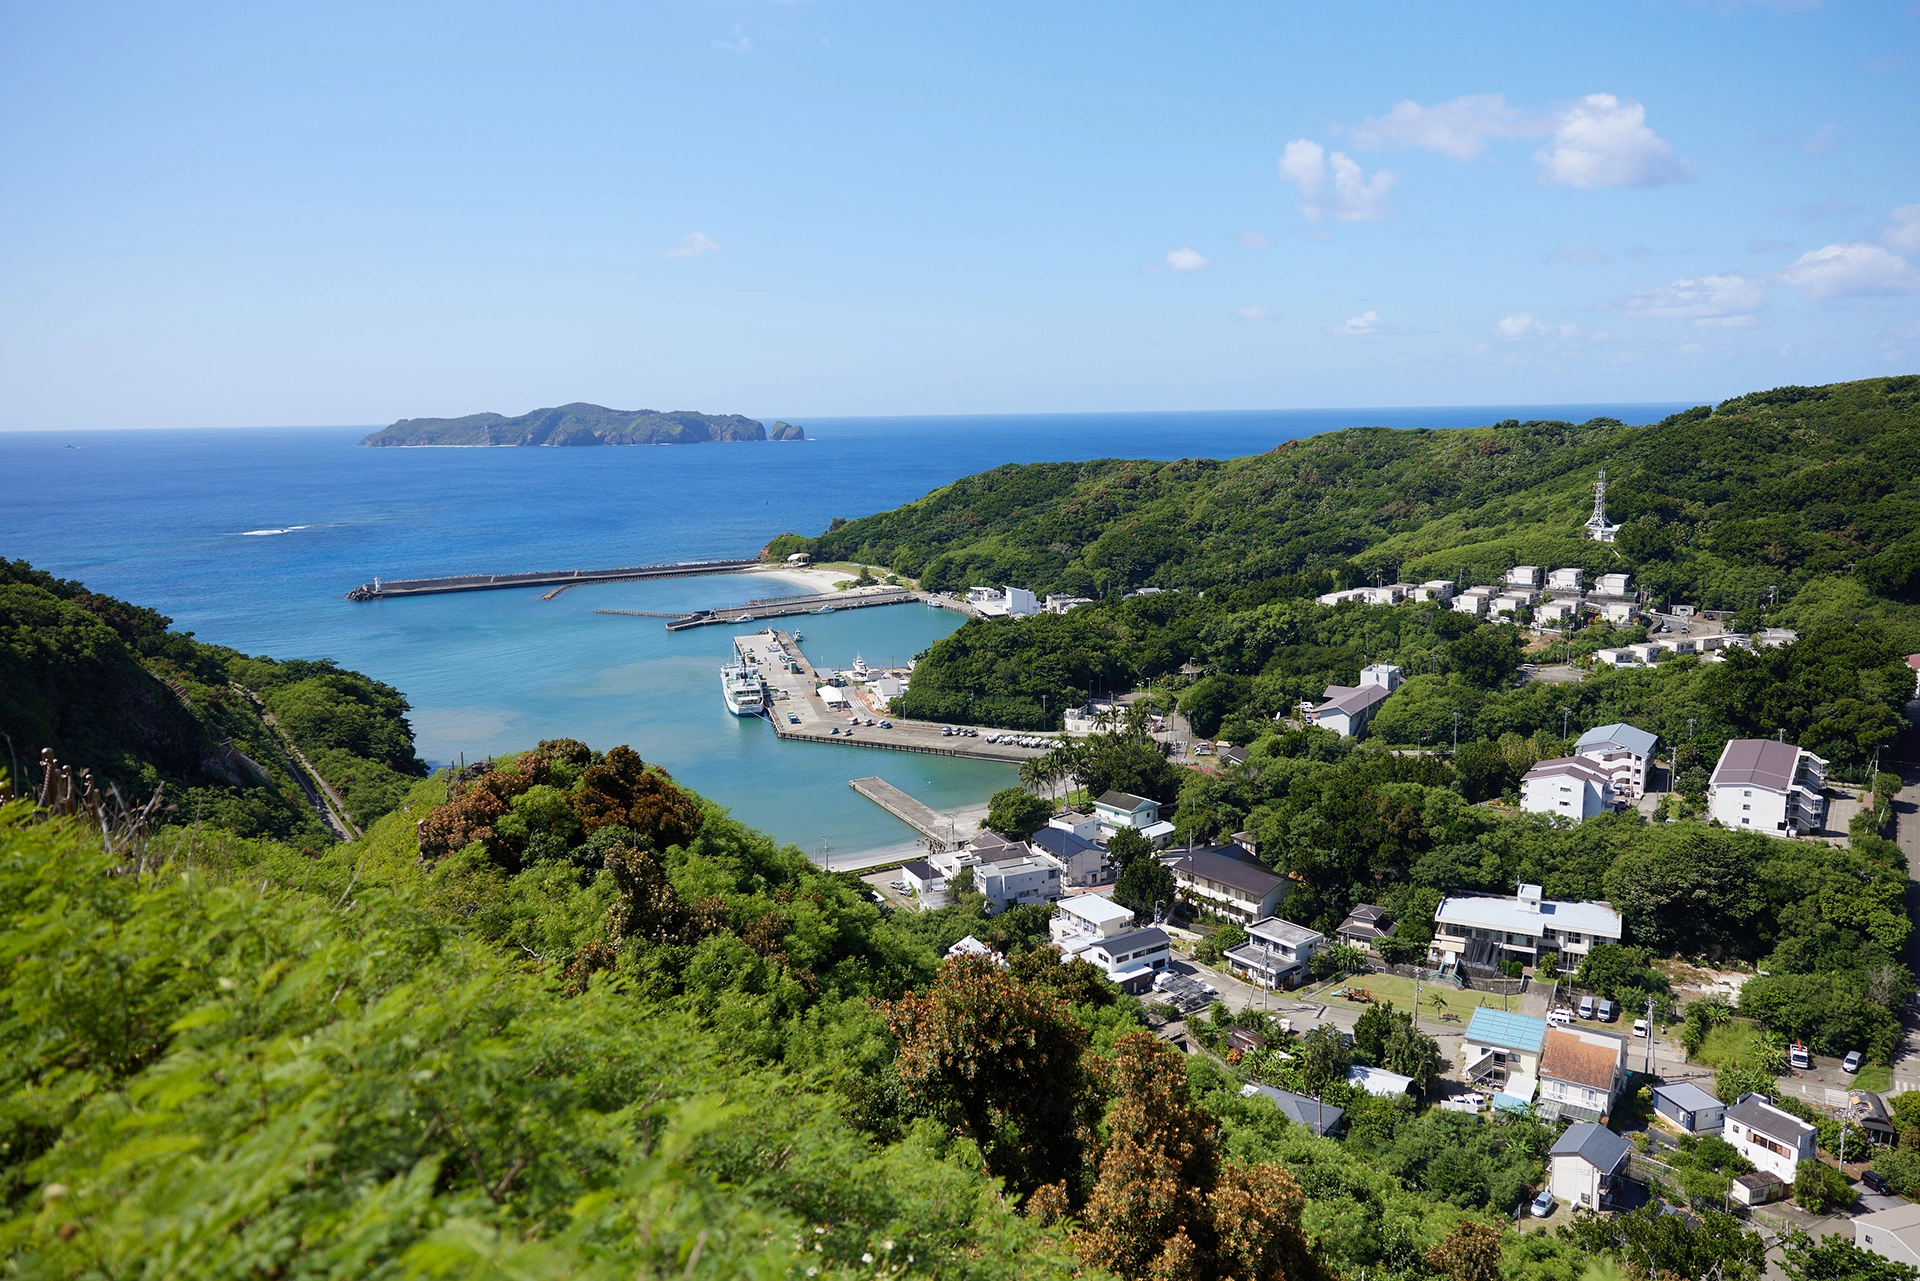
(250, 537)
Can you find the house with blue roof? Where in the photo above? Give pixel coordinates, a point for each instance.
(1502, 1055)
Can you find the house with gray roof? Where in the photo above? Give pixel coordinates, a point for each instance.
(1775, 1141)
(1320, 1119)
(1277, 953)
(1625, 752)
(1765, 786)
(1131, 959)
(1228, 880)
(1481, 930)
(1690, 1108)
(1583, 1164)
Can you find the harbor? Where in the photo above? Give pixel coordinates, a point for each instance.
(945, 830)
(560, 580)
(788, 606)
(803, 706)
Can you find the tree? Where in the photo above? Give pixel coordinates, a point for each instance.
(1834, 1258)
(1016, 813)
(1126, 845)
(1322, 1057)
(1820, 1188)
(1662, 1247)
(1000, 1060)
(1470, 1252)
(1704, 1015)
(1488, 656)
(1165, 1205)
(1146, 886)
(1208, 701)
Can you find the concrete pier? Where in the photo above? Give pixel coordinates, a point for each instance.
(944, 830)
(787, 606)
(384, 589)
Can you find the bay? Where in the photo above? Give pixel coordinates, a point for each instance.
(250, 537)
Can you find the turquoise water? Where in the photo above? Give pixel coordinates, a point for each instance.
(251, 537)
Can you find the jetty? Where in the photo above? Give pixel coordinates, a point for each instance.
(945, 831)
(786, 606)
(389, 588)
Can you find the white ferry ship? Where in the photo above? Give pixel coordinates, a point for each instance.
(743, 689)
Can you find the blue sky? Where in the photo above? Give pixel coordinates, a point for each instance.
(268, 214)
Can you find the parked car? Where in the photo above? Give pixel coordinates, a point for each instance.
(1560, 1015)
(1543, 1205)
(1605, 1011)
(1852, 1062)
(1798, 1056)
(1876, 1183)
(1642, 1028)
(1586, 1007)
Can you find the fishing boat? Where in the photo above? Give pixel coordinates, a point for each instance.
(824, 609)
(743, 689)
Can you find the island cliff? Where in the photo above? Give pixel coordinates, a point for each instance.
(581, 424)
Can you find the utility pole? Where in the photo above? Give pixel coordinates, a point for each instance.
(1456, 733)
(1566, 716)
(1649, 1036)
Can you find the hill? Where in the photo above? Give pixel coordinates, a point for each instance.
(237, 740)
(1722, 506)
(580, 424)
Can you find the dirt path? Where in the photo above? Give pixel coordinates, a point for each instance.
(329, 804)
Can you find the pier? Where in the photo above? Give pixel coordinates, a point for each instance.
(945, 830)
(785, 606)
(385, 589)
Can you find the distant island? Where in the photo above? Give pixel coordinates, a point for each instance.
(581, 424)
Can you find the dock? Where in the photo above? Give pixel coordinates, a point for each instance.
(787, 606)
(944, 830)
(799, 714)
(386, 589)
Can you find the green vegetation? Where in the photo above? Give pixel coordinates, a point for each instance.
(580, 424)
(1016, 813)
(110, 689)
(1834, 1258)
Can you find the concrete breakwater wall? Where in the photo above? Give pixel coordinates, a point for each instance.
(383, 589)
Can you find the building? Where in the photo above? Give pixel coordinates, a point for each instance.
(1364, 927)
(1566, 580)
(1472, 601)
(1083, 919)
(1502, 1054)
(1131, 959)
(1624, 751)
(1567, 787)
(1620, 613)
(1581, 1073)
(1023, 880)
(1775, 1141)
(1057, 604)
(1689, 1108)
(1320, 1119)
(1348, 708)
(1083, 861)
(1379, 1082)
(1613, 584)
(925, 881)
(1013, 602)
(1434, 589)
(1277, 953)
(1524, 576)
(1583, 1163)
(1558, 611)
(1484, 929)
(1870, 1114)
(971, 946)
(1769, 787)
(1892, 1234)
(1228, 880)
(1115, 810)
(1599, 528)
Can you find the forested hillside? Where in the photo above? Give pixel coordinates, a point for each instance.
(1722, 506)
(586, 1025)
(110, 689)
(580, 424)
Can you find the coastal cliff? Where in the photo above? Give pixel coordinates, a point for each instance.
(580, 424)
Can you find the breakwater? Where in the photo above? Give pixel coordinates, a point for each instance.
(385, 589)
(785, 606)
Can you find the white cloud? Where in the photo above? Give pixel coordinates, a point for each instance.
(692, 245)
(1251, 240)
(1458, 129)
(1851, 271)
(1363, 325)
(1603, 142)
(1356, 197)
(1520, 326)
(1903, 229)
(1251, 314)
(1583, 251)
(741, 43)
(1185, 259)
(1701, 300)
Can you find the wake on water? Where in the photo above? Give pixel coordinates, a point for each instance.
(262, 533)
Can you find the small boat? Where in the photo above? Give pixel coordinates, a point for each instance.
(798, 637)
(824, 609)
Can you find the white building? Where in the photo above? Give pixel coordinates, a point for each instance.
(1581, 1073)
(1084, 919)
(1524, 576)
(1483, 929)
(1433, 589)
(1583, 1164)
(1473, 601)
(1557, 611)
(1624, 751)
(1892, 1234)
(1061, 604)
(1347, 709)
(1566, 580)
(1115, 810)
(1567, 787)
(1277, 953)
(1501, 1053)
(1613, 584)
(1014, 602)
(1775, 1141)
(1770, 787)
(1023, 881)
(1618, 612)
(1228, 880)
(1131, 959)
